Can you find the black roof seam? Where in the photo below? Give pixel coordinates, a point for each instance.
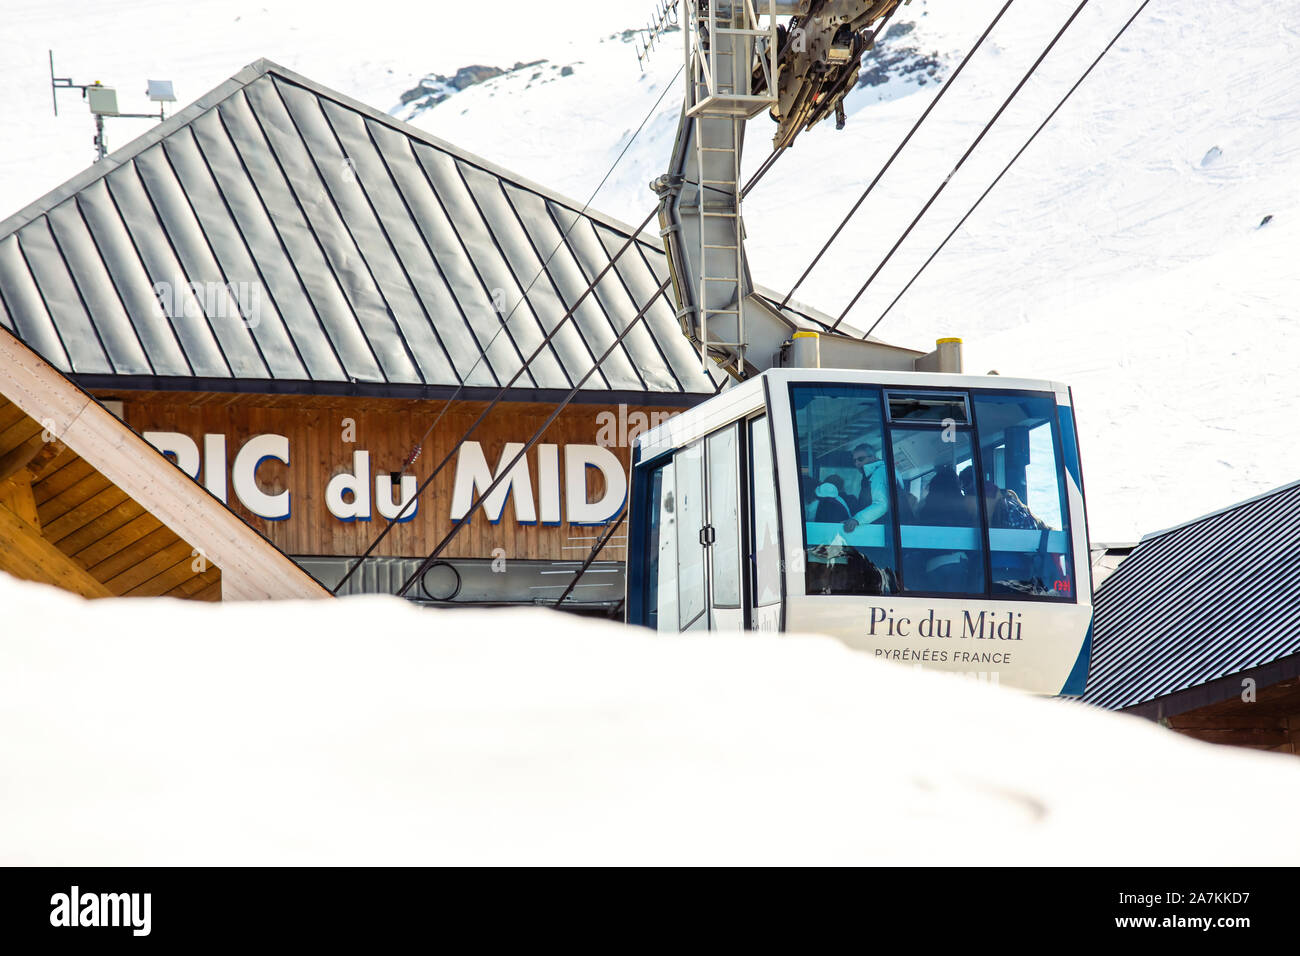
(502, 324)
(279, 236)
(388, 307)
(257, 266)
(1142, 625)
(1188, 666)
(397, 191)
(672, 307)
(247, 77)
(545, 270)
(320, 246)
(90, 319)
(1183, 558)
(442, 276)
(76, 203)
(212, 253)
(647, 324)
(45, 305)
(177, 258)
(523, 298)
(457, 155)
(118, 384)
(4, 303)
(1156, 537)
(618, 277)
(144, 269)
(1137, 638)
(379, 223)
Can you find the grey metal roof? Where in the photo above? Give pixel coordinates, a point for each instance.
(374, 251)
(1210, 598)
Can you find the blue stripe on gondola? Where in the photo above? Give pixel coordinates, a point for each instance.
(1078, 678)
(1069, 444)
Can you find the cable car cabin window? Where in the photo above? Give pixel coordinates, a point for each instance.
(1024, 496)
(724, 516)
(939, 525)
(844, 490)
(932, 493)
(689, 464)
(938, 407)
(765, 548)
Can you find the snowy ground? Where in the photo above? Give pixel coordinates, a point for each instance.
(1123, 254)
(369, 731)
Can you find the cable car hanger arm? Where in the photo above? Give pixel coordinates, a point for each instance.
(741, 59)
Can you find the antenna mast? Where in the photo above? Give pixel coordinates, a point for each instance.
(103, 102)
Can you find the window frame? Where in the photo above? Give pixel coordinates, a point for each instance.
(639, 611)
(889, 391)
(1062, 490)
(750, 526)
(898, 525)
(969, 394)
(737, 464)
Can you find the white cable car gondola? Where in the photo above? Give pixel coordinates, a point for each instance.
(922, 515)
(931, 519)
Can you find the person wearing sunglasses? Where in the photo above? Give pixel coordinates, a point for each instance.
(873, 495)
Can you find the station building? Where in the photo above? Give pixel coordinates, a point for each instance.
(307, 304)
(1199, 627)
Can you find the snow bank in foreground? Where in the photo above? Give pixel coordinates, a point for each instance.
(368, 731)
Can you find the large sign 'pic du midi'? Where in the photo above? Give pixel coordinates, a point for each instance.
(549, 485)
(322, 476)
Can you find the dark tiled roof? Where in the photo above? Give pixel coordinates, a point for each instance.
(373, 251)
(1210, 598)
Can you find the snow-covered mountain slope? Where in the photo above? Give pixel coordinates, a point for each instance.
(373, 51)
(368, 731)
(1123, 254)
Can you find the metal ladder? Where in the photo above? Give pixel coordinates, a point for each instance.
(722, 265)
(721, 103)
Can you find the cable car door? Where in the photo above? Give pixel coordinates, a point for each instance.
(723, 530)
(702, 526)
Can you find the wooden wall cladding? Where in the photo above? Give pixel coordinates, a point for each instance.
(1269, 722)
(317, 429)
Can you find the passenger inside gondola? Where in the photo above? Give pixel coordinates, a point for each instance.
(871, 504)
(944, 506)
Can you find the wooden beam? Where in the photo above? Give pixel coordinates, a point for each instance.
(16, 495)
(47, 453)
(42, 469)
(25, 554)
(15, 460)
(252, 568)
